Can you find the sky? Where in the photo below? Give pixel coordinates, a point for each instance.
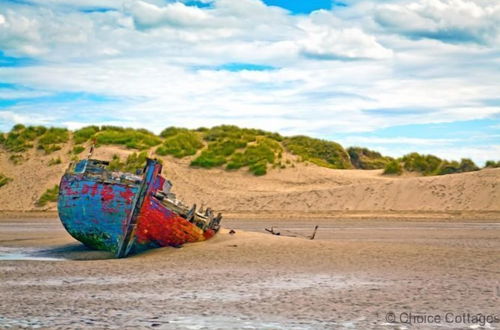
(392, 75)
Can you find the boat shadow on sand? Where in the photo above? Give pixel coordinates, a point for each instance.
(72, 251)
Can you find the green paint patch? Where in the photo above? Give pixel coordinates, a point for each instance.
(96, 241)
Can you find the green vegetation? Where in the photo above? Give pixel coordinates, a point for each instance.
(132, 164)
(17, 159)
(425, 164)
(83, 134)
(77, 150)
(492, 164)
(4, 180)
(50, 195)
(256, 156)
(320, 152)
(238, 147)
(430, 165)
(208, 159)
(467, 165)
(139, 139)
(52, 139)
(231, 132)
(367, 159)
(224, 145)
(21, 138)
(393, 167)
(172, 131)
(54, 161)
(179, 142)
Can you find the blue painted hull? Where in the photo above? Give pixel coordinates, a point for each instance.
(95, 213)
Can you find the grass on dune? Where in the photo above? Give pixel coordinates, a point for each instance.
(492, 164)
(4, 180)
(367, 159)
(256, 156)
(52, 139)
(226, 145)
(54, 161)
(133, 163)
(393, 168)
(77, 150)
(131, 138)
(429, 165)
(84, 134)
(140, 139)
(179, 142)
(49, 196)
(21, 138)
(238, 147)
(320, 152)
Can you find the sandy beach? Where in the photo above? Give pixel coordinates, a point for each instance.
(353, 275)
(390, 253)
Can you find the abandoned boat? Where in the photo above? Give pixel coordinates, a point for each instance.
(128, 213)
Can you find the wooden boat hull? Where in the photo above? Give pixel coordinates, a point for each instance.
(123, 218)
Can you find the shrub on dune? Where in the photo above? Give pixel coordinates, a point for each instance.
(320, 152)
(83, 134)
(492, 164)
(256, 156)
(367, 159)
(393, 168)
(52, 139)
(49, 196)
(133, 162)
(77, 150)
(180, 144)
(208, 159)
(4, 180)
(21, 138)
(139, 139)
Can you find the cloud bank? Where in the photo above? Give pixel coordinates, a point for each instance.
(347, 73)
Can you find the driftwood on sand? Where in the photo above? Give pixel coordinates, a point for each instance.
(292, 234)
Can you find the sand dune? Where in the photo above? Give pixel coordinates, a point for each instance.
(304, 188)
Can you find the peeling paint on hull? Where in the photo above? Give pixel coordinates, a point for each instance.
(124, 218)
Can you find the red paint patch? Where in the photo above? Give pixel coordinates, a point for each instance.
(159, 225)
(85, 189)
(95, 188)
(107, 193)
(127, 195)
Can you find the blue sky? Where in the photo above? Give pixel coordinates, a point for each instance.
(397, 75)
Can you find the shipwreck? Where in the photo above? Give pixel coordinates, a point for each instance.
(126, 213)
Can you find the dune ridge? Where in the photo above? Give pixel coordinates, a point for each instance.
(302, 189)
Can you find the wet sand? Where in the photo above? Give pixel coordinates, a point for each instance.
(353, 275)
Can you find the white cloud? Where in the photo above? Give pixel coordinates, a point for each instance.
(174, 14)
(454, 21)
